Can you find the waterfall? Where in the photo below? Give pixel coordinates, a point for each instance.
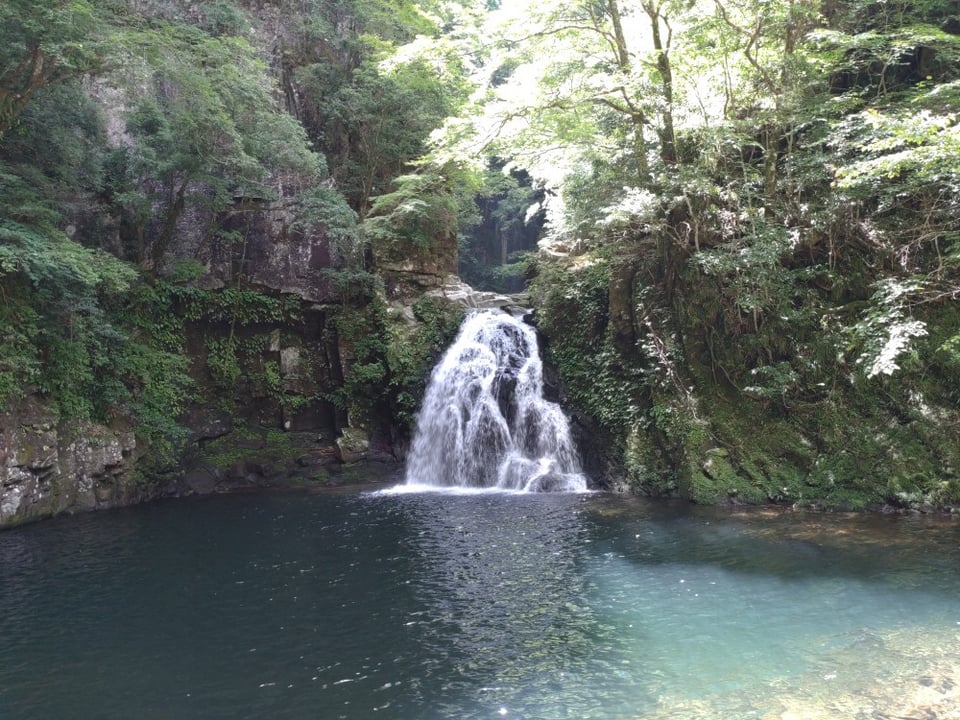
(484, 421)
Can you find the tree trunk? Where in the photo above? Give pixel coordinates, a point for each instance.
(667, 134)
(636, 118)
(623, 55)
(35, 70)
(771, 141)
(162, 243)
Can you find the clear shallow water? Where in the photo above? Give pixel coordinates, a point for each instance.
(419, 606)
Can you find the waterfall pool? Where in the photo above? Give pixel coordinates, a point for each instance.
(430, 605)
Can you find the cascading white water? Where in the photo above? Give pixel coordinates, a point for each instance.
(484, 421)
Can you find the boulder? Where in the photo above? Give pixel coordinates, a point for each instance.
(353, 445)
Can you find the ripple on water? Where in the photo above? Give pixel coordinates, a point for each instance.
(426, 606)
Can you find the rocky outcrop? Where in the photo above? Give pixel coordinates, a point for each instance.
(46, 469)
(409, 270)
(454, 290)
(273, 256)
(258, 458)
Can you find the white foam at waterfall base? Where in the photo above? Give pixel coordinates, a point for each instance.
(484, 424)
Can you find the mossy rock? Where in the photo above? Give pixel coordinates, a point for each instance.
(714, 479)
(353, 445)
(647, 470)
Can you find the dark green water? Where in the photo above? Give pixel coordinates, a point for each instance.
(480, 606)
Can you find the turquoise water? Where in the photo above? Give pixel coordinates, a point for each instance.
(419, 606)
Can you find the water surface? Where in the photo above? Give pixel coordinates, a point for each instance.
(420, 606)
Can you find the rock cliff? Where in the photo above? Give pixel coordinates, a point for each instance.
(47, 468)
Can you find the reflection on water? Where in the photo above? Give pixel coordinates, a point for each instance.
(502, 587)
(424, 606)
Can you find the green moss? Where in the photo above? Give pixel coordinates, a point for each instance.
(246, 444)
(697, 422)
(647, 471)
(316, 476)
(596, 377)
(715, 480)
(388, 357)
(232, 449)
(838, 457)
(412, 351)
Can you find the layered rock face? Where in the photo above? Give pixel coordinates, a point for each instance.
(408, 270)
(47, 469)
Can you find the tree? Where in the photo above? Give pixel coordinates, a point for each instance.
(206, 131)
(370, 80)
(374, 123)
(581, 91)
(42, 43)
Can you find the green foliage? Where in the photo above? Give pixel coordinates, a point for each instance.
(421, 212)
(57, 267)
(757, 290)
(211, 99)
(951, 350)
(498, 232)
(758, 202)
(373, 111)
(236, 306)
(223, 17)
(597, 378)
(411, 355)
(56, 331)
(151, 386)
(20, 363)
(207, 121)
(390, 360)
(326, 209)
(917, 148)
(260, 446)
(55, 149)
(883, 60)
(353, 285)
(238, 326)
(886, 332)
(79, 327)
(361, 334)
(43, 43)
(202, 130)
(81, 335)
(777, 381)
(222, 362)
(341, 22)
(901, 162)
(793, 263)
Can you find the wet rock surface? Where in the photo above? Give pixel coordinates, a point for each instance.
(455, 290)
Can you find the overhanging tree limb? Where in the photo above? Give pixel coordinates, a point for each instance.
(43, 43)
